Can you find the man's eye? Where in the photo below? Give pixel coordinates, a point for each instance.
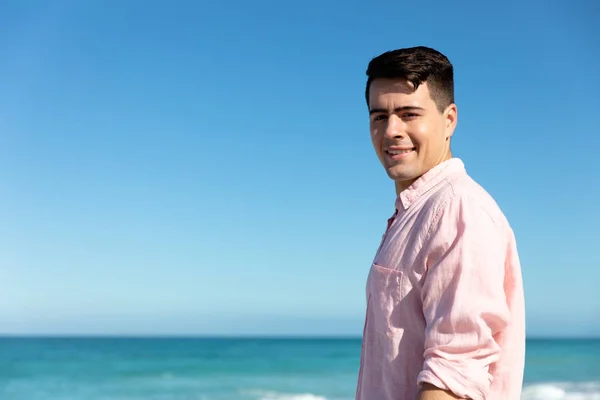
(380, 118)
(410, 115)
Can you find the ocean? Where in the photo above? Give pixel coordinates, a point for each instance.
(243, 369)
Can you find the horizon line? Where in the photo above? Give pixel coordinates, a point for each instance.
(233, 336)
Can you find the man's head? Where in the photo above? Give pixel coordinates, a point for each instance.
(410, 95)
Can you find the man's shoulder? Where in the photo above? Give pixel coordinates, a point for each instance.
(462, 191)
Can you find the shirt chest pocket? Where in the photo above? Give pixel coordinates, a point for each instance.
(386, 288)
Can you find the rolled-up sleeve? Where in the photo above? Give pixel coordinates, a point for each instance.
(463, 297)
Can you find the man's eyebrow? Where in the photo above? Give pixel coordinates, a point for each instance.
(398, 109)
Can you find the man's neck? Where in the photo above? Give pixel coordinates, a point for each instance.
(403, 185)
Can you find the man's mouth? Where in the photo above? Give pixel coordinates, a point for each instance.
(391, 151)
(396, 152)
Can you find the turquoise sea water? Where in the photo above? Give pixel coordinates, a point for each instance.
(243, 369)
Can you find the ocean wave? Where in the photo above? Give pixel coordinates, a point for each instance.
(538, 391)
(282, 396)
(562, 391)
(302, 396)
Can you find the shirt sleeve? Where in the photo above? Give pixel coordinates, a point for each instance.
(464, 302)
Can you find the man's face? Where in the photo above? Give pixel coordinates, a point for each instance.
(409, 133)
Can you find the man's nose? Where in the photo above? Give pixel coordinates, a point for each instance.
(395, 127)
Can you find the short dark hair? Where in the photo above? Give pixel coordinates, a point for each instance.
(416, 65)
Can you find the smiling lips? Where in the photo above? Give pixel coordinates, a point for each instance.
(397, 153)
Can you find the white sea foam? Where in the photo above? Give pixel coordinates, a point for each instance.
(562, 391)
(301, 396)
(540, 391)
(284, 396)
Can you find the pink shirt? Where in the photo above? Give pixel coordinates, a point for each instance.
(444, 296)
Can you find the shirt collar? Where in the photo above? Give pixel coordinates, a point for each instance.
(428, 180)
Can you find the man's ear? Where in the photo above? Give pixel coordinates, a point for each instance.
(451, 118)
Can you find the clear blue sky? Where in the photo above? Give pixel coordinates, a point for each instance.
(206, 167)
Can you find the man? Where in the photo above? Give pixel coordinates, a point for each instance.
(445, 310)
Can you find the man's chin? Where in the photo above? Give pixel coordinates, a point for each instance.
(399, 175)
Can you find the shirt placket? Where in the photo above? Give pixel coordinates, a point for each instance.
(390, 221)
